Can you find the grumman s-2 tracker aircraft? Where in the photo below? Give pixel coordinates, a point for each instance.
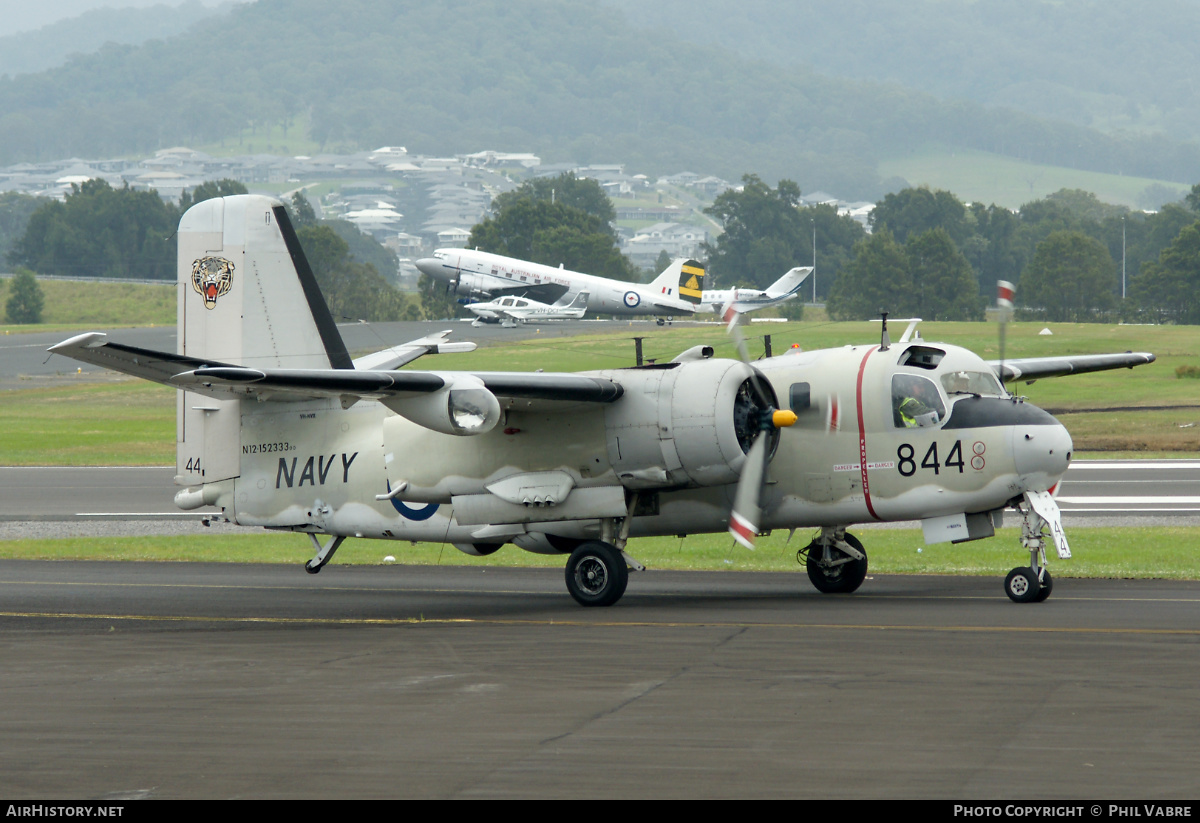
(279, 428)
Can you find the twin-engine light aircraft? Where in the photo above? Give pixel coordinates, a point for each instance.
(674, 293)
(279, 428)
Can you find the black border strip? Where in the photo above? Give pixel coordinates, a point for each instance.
(335, 348)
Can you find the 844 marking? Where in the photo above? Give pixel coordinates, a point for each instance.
(907, 460)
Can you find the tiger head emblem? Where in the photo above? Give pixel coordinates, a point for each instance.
(211, 278)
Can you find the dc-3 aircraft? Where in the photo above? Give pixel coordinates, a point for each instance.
(279, 428)
(748, 300)
(510, 311)
(479, 273)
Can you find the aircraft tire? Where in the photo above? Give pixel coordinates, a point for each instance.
(1022, 585)
(842, 579)
(596, 574)
(1047, 587)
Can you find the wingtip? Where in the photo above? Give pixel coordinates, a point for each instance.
(87, 340)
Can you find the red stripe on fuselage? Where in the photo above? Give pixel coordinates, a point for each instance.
(862, 436)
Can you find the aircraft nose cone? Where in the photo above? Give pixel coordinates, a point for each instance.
(1041, 453)
(432, 267)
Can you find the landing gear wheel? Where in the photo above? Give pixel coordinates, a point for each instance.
(834, 576)
(1047, 586)
(596, 574)
(1022, 585)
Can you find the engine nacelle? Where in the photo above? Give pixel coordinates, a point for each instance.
(464, 406)
(683, 425)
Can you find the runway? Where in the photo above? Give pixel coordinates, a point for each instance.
(165, 680)
(1093, 493)
(168, 680)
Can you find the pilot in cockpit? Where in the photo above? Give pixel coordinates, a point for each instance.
(915, 402)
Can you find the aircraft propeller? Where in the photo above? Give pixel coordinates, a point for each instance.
(765, 419)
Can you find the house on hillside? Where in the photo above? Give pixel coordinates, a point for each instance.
(676, 239)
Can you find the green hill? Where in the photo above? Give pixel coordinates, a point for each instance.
(558, 77)
(1114, 65)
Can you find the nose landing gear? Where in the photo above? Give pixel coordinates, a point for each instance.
(1033, 583)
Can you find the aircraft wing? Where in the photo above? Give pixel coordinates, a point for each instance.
(541, 292)
(147, 364)
(1036, 368)
(224, 380)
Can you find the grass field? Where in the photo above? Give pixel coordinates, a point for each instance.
(69, 304)
(133, 423)
(982, 177)
(1162, 553)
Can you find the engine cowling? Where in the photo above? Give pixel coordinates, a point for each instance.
(683, 425)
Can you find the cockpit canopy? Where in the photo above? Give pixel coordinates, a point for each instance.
(916, 400)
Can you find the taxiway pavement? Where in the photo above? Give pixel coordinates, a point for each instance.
(164, 680)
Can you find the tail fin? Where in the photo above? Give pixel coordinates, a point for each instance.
(580, 301)
(684, 278)
(247, 297)
(789, 283)
(246, 293)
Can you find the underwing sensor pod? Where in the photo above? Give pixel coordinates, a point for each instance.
(279, 427)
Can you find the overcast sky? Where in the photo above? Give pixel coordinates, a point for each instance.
(23, 15)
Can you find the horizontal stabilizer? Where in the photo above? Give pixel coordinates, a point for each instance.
(580, 301)
(397, 356)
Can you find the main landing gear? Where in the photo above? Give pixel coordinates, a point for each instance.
(836, 561)
(597, 574)
(598, 570)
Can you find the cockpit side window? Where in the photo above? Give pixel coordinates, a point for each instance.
(916, 402)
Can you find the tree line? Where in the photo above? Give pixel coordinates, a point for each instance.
(101, 231)
(929, 254)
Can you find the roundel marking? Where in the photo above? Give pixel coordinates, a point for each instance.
(417, 513)
(632, 299)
